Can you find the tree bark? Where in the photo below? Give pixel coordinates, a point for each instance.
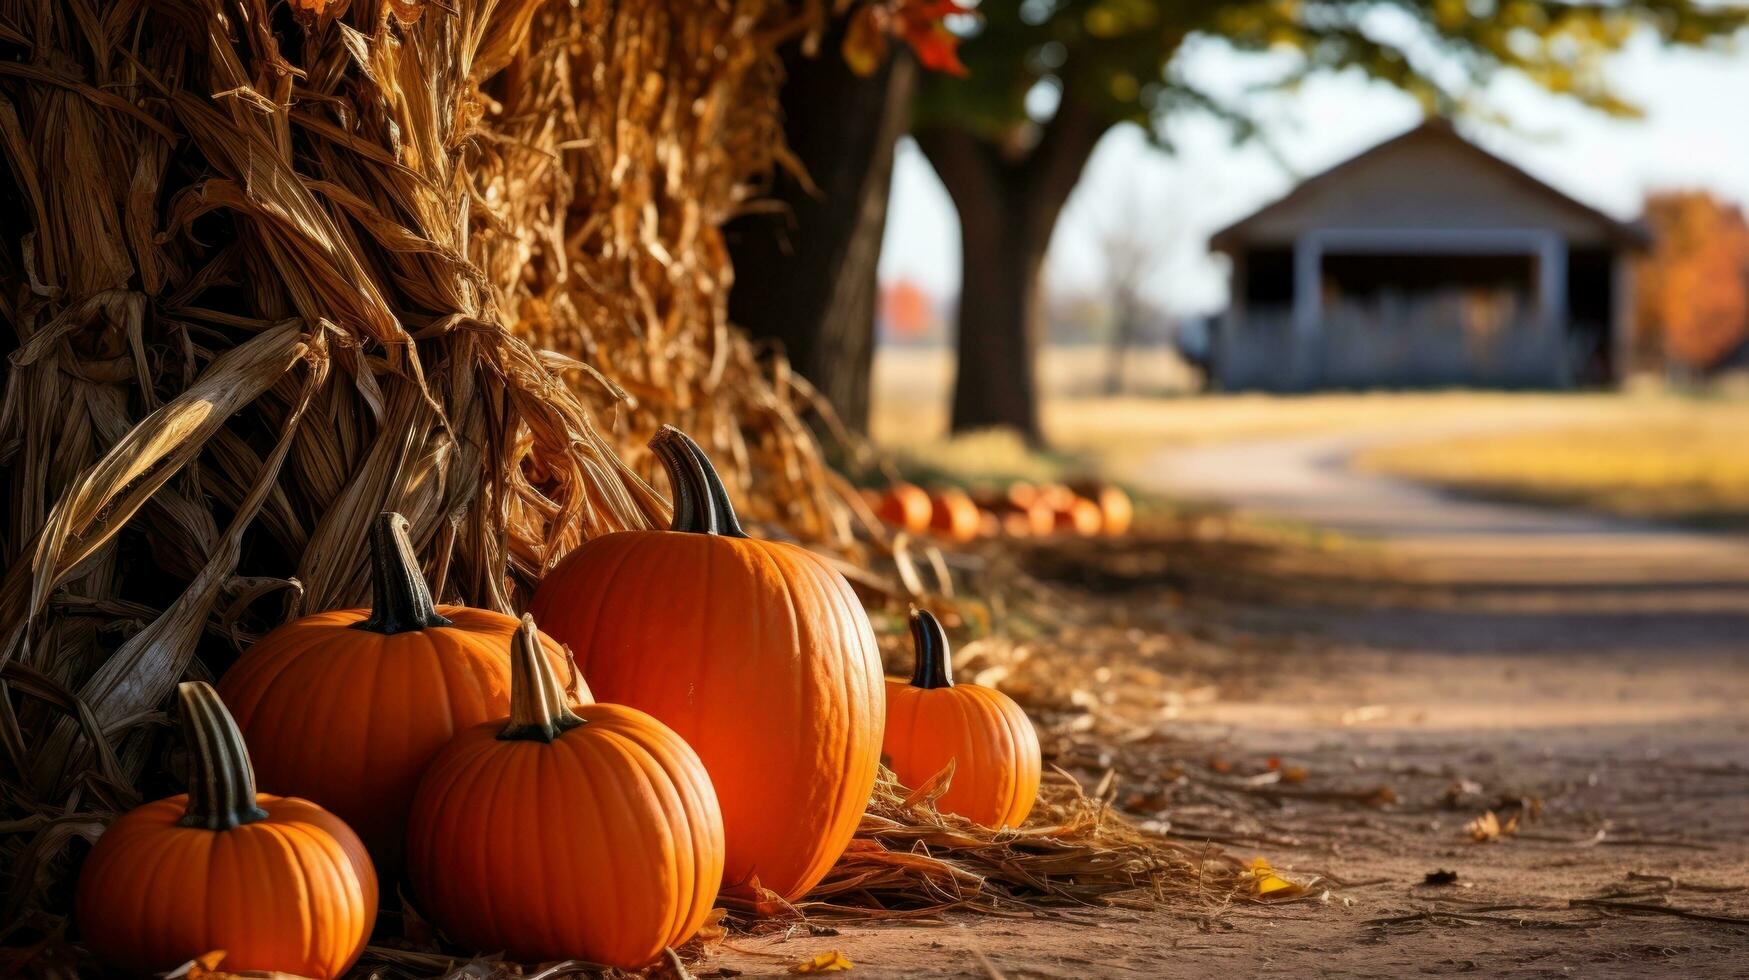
(1008, 208)
(805, 276)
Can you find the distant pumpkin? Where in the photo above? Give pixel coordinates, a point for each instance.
(1056, 496)
(565, 832)
(346, 707)
(953, 515)
(906, 506)
(931, 721)
(278, 883)
(1080, 517)
(1117, 511)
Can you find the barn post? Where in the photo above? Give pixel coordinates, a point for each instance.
(1304, 359)
(1621, 361)
(1552, 302)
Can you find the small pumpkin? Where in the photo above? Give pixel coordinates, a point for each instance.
(396, 681)
(1081, 517)
(931, 722)
(907, 507)
(953, 515)
(1018, 494)
(989, 523)
(563, 832)
(278, 883)
(1119, 511)
(1018, 524)
(756, 652)
(1056, 496)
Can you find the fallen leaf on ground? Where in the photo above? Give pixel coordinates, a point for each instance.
(1268, 884)
(1489, 827)
(832, 962)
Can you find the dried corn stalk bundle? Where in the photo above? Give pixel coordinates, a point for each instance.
(658, 126)
(262, 263)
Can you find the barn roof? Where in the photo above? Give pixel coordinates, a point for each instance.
(1630, 234)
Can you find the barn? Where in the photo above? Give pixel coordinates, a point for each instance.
(1425, 261)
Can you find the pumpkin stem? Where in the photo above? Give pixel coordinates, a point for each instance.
(400, 599)
(701, 504)
(934, 658)
(538, 712)
(221, 783)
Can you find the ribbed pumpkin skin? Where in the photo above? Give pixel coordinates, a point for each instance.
(606, 844)
(349, 718)
(294, 893)
(987, 735)
(759, 655)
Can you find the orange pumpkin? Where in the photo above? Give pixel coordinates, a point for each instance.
(1056, 496)
(989, 523)
(565, 833)
(756, 652)
(907, 507)
(1040, 517)
(277, 883)
(1019, 494)
(953, 515)
(1017, 524)
(932, 722)
(1081, 516)
(395, 682)
(1118, 511)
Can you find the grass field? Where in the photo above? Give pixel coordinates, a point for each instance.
(1643, 454)
(1666, 459)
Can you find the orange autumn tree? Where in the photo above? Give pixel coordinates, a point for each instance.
(1693, 295)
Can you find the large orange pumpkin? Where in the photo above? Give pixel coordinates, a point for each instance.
(345, 708)
(277, 883)
(565, 833)
(756, 652)
(931, 722)
(953, 515)
(907, 507)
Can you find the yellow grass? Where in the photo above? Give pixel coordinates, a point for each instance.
(1664, 459)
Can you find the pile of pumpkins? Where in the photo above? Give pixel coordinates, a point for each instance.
(1018, 510)
(741, 721)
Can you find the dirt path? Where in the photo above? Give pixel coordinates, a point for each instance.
(1466, 657)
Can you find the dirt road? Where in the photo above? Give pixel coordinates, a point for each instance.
(1589, 676)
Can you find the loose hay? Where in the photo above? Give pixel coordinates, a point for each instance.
(910, 860)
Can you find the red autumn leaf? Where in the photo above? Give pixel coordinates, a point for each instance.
(922, 24)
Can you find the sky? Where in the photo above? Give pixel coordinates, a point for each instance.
(1694, 134)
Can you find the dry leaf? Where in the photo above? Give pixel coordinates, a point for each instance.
(1489, 827)
(833, 962)
(1267, 884)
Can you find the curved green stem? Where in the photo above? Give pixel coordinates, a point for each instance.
(538, 709)
(701, 504)
(400, 599)
(934, 657)
(221, 783)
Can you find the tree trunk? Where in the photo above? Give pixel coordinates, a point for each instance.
(805, 277)
(1007, 208)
